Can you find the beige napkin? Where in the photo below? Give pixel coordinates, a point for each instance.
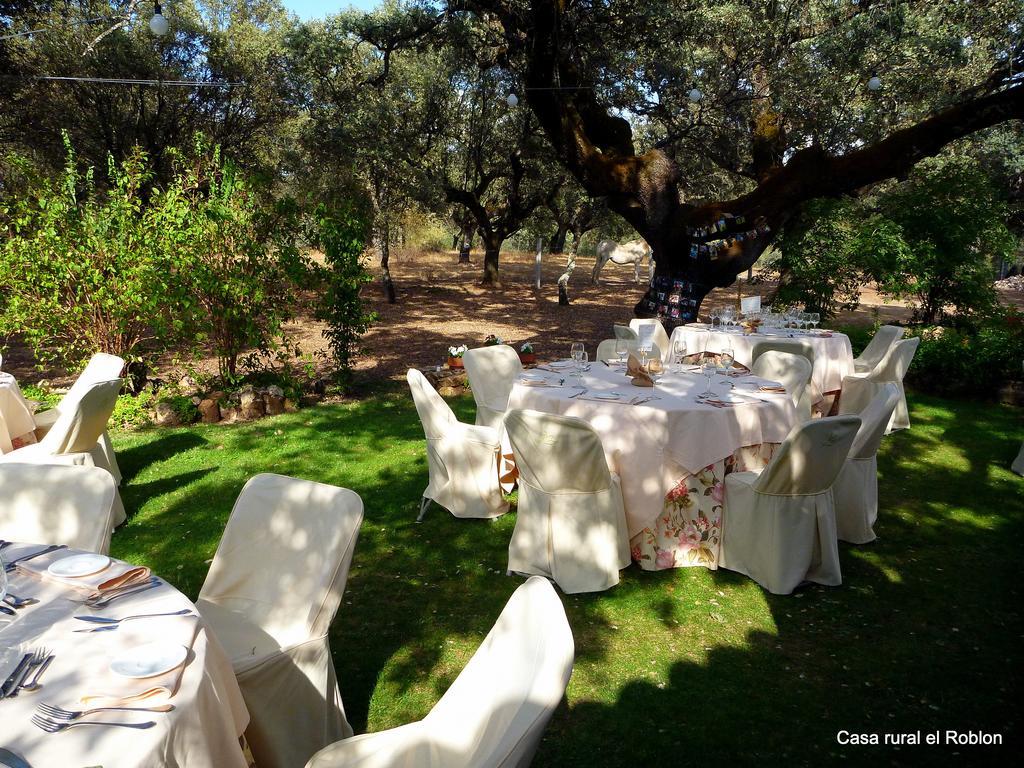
(638, 376)
(776, 390)
(114, 576)
(107, 689)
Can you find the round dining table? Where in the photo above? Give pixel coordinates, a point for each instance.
(833, 354)
(670, 449)
(207, 715)
(15, 412)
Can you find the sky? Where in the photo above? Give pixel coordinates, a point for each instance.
(312, 9)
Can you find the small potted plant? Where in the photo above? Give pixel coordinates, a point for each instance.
(455, 355)
(526, 354)
(492, 340)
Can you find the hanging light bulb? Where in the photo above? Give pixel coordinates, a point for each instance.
(874, 83)
(695, 95)
(512, 100)
(158, 24)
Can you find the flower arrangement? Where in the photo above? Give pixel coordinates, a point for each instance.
(493, 340)
(457, 352)
(527, 348)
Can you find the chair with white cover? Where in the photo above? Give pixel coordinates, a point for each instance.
(660, 337)
(793, 372)
(779, 524)
(495, 713)
(571, 522)
(492, 372)
(861, 389)
(74, 436)
(856, 489)
(57, 504)
(101, 367)
(624, 332)
(273, 589)
(880, 344)
(462, 459)
(606, 349)
(1018, 463)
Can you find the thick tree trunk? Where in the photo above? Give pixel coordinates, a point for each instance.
(492, 247)
(558, 239)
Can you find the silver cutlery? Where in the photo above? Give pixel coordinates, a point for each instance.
(581, 392)
(19, 602)
(11, 760)
(37, 657)
(6, 610)
(34, 684)
(107, 600)
(116, 591)
(108, 625)
(25, 558)
(59, 713)
(12, 680)
(52, 726)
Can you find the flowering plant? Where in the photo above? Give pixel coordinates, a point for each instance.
(527, 348)
(493, 340)
(457, 351)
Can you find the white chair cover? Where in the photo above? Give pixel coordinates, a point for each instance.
(660, 336)
(861, 389)
(101, 367)
(74, 436)
(462, 459)
(856, 489)
(571, 523)
(880, 344)
(494, 714)
(1018, 463)
(272, 591)
(606, 349)
(793, 372)
(54, 504)
(492, 372)
(779, 525)
(624, 332)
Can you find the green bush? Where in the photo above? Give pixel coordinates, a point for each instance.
(973, 362)
(343, 235)
(133, 410)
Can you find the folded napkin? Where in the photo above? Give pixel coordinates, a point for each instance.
(114, 576)
(107, 689)
(637, 375)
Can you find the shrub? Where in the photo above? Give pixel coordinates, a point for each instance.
(81, 271)
(343, 235)
(975, 362)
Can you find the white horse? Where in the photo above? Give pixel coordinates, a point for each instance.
(633, 252)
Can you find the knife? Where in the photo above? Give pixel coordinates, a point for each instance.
(52, 548)
(11, 682)
(11, 760)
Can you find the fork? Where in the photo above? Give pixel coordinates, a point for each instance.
(51, 726)
(59, 713)
(39, 655)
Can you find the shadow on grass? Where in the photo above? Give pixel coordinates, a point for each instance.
(682, 665)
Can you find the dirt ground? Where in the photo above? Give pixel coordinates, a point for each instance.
(440, 304)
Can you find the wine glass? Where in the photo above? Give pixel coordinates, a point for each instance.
(815, 318)
(708, 368)
(576, 350)
(716, 316)
(581, 365)
(622, 350)
(678, 352)
(726, 357)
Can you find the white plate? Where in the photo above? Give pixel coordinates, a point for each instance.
(78, 565)
(606, 395)
(149, 660)
(532, 377)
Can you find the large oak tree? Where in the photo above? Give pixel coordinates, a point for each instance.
(785, 114)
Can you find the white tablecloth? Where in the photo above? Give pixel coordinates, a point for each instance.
(651, 446)
(201, 732)
(15, 413)
(833, 355)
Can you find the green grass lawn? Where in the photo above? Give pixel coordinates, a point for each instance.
(679, 667)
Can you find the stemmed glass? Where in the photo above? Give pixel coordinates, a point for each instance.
(728, 315)
(726, 358)
(622, 350)
(678, 352)
(708, 368)
(581, 365)
(716, 316)
(815, 318)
